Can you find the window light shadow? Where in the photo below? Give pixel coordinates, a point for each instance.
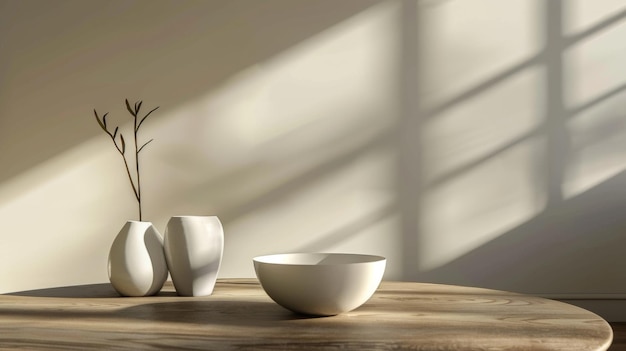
(554, 240)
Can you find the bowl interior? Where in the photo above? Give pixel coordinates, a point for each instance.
(317, 259)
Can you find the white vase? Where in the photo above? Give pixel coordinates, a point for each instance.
(137, 265)
(193, 249)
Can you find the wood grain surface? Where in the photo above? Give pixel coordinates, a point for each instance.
(240, 316)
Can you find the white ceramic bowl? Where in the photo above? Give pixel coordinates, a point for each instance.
(322, 284)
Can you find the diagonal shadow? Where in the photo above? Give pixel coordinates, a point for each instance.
(206, 42)
(484, 86)
(555, 239)
(595, 29)
(555, 243)
(483, 158)
(347, 231)
(291, 186)
(78, 291)
(597, 100)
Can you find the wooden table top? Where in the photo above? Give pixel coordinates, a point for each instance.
(240, 316)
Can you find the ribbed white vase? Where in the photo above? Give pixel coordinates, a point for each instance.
(137, 265)
(193, 249)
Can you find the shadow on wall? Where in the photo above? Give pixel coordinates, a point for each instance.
(164, 52)
(62, 59)
(575, 243)
(573, 248)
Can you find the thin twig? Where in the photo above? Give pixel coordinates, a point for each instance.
(135, 130)
(146, 116)
(122, 149)
(144, 145)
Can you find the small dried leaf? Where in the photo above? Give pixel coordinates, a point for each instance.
(138, 107)
(104, 120)
(146, 116)
(115, 132)
(123, 143)
(99, 121)
(129, 108)
(144, 145)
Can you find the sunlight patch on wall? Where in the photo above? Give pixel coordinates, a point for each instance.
(595, 92)
(580, 15)
(598, 146)
(481, 148)
(593, 66)
(347, 204)
(480, 204)
(496, 119)
(312, 90)
(466, 44)
(52, 218)
(292, 152)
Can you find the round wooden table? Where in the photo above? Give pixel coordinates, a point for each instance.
(240, 316)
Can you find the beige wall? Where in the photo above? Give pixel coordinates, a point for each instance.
(478, 142)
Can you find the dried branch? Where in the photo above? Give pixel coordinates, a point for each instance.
(121, 147)
(146, 116)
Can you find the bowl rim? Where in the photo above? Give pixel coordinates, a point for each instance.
(366, 258)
